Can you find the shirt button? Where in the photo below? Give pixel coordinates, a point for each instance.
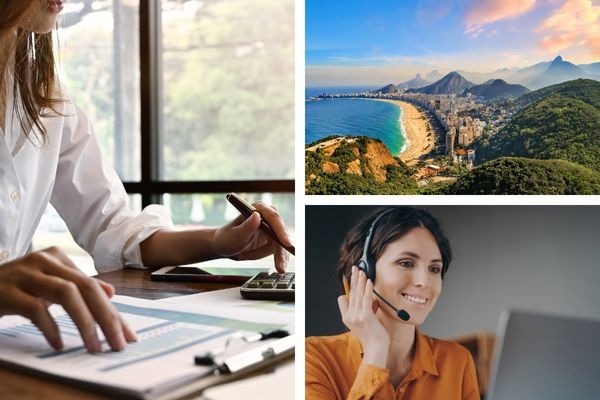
(401, 390)
(3, 255)
(15, 197)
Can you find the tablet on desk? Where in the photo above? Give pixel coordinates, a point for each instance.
(205, 274)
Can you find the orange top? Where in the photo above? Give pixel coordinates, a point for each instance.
(440, 370)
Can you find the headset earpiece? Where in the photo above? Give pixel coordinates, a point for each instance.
(366, 261)
(367, 266)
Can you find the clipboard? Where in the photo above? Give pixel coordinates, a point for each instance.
(238, 366)
(255, 357)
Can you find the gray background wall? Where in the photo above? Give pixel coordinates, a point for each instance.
(544, 258)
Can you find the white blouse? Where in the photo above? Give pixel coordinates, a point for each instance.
(70, 172)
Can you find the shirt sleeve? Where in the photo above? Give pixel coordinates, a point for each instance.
(323, 381)
(371, 382)
(319, 382)
(91, 199)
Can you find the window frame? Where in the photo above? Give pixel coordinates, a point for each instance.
(151, 187)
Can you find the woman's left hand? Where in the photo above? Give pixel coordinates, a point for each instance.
(358, 310)
(243, 239)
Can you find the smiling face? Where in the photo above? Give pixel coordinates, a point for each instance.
(409, 275)
(42, 16)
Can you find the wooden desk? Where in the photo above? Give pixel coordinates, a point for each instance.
(129, 282)
(137, 283)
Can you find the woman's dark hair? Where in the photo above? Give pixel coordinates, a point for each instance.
(390, 227)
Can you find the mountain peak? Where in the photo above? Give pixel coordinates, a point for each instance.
(433, 76)
(452, 83)
(391, 88)
(415, 82)
(496, 89)
(559, 64)
(558, 71)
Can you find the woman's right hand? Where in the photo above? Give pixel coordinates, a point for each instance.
(358, 314)
(29, 284)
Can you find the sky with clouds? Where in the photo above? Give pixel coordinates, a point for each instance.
(362, 42)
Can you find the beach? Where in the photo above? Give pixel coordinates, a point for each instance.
(418, 141)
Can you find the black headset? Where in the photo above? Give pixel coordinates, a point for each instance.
(367, 264)
(366, 261)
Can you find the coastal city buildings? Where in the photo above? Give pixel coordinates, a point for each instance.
(461, 120)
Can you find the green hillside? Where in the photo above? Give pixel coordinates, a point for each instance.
(526, 176)
(353, 184)
(394, 176)
(553, 127)
(586, 90)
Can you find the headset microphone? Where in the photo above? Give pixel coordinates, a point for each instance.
(402, 314)
(367, 264)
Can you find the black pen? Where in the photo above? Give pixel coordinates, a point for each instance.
(247, 209)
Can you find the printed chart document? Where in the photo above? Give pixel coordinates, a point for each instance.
(170, 335)
(229, 303)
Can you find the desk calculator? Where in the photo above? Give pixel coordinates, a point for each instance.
(274, 286)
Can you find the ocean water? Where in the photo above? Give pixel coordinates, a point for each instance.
(317, 90)
(353, 117)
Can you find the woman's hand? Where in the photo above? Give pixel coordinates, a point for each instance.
(243, 239)
(30, 284)
(358, 314)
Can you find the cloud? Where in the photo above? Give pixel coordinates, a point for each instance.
(553, 44)
(483, 12)
(429, 12)
(574, 25)
(339, 59)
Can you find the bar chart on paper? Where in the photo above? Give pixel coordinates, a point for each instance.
(153, 342)
(167, 335)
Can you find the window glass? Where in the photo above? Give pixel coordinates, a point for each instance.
(215, 210)
(228, 90)
(98, 43)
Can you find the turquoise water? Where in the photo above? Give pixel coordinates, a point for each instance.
(354, 117)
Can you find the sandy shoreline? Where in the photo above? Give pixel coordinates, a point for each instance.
(415, 126)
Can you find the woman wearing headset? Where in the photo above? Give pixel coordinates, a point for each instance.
(403, 257)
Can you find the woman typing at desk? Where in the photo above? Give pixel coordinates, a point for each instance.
(49, 153)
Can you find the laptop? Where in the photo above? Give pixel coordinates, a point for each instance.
(546, 357)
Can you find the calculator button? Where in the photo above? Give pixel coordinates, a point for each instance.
(270, 286)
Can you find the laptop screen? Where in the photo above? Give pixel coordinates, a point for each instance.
(547, 357)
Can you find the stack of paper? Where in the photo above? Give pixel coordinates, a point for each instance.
(170, 334)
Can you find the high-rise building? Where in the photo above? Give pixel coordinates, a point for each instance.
(450, 137)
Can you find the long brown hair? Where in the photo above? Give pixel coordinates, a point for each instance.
(34, 67)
